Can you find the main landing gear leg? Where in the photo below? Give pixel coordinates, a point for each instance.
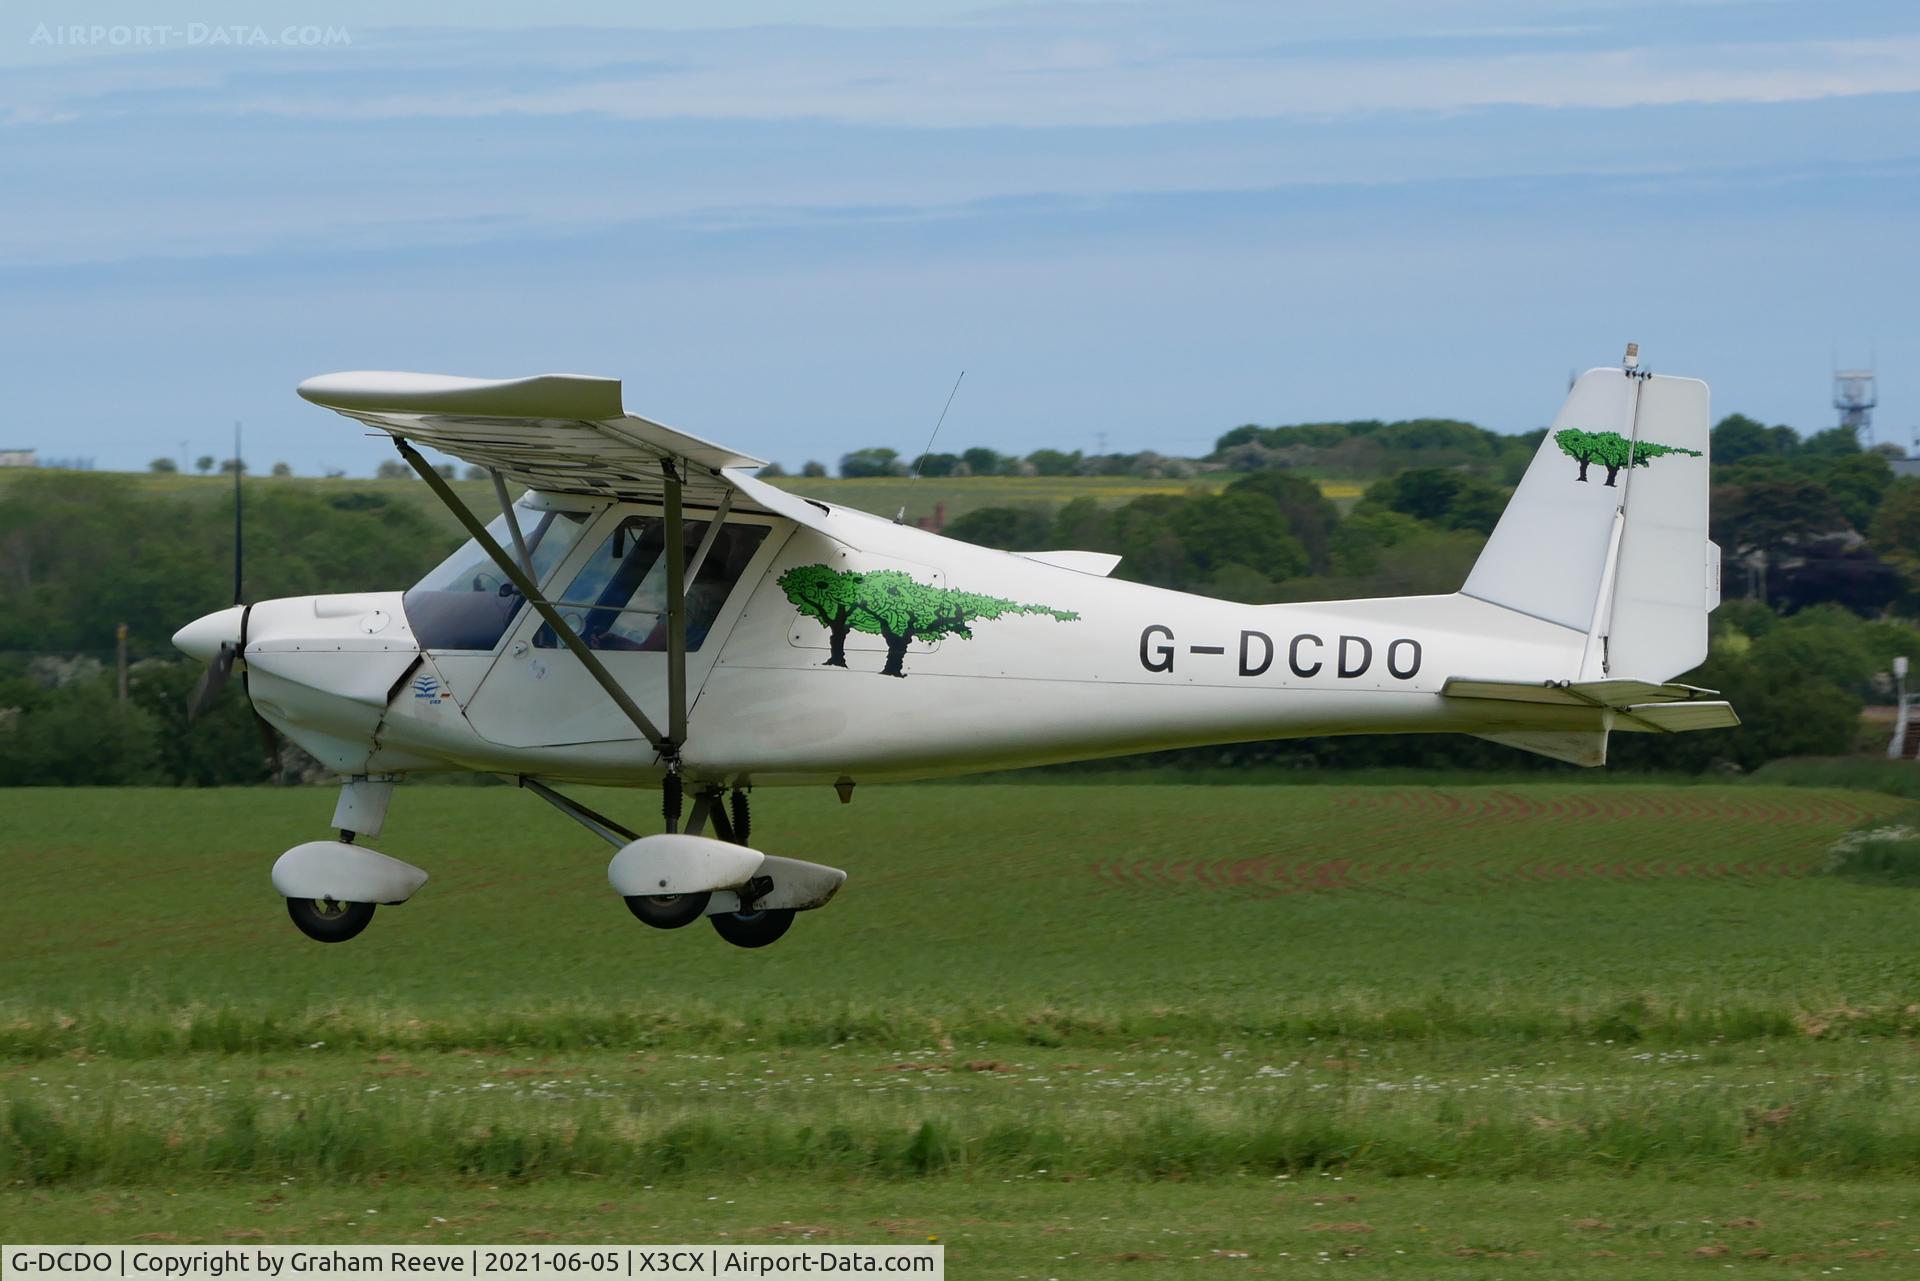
(661, 911)
(742, 818)
(751, 926)
(748, 877)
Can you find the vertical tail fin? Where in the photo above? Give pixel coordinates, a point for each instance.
(1607, 533)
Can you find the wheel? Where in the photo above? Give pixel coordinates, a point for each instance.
(327, 920)
(668, 911)
(753, 929)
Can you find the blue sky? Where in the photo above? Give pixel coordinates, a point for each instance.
(1140, 221)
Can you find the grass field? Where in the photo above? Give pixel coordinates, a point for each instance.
(1574, 1030)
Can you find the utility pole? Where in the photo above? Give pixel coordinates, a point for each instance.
(120, 658)
(1898, 747)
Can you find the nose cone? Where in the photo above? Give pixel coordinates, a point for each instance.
(203, 637)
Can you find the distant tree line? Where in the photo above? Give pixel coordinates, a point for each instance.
(1361, 449)
(865, 464)
(391, 469)
(1269, 535)
(80, 554)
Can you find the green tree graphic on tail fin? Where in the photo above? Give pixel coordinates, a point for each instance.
(1611, 450)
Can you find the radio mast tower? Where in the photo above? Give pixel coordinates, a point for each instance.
(1854, 396)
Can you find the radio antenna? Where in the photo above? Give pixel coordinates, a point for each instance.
(920, 462)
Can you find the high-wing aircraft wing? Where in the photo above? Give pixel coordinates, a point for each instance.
(560, 433)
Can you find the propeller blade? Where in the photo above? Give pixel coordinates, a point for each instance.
(212, 681)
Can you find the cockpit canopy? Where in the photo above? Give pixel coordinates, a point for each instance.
(615, 599)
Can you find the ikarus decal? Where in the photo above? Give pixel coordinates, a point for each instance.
(1612, 450)
(428, 689)
(896, 607)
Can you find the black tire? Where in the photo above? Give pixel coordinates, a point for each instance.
(329, 920)
(753, 929)
(668, 911)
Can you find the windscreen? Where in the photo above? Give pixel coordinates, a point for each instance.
(465, 602)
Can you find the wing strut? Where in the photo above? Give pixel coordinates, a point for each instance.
(667, 745)
(676, 609)
(513, 521)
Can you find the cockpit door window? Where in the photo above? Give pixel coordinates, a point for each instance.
(618, 598)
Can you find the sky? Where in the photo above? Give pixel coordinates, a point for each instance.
(788, 228)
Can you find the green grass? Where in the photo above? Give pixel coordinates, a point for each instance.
(1048, 1226)
(1496, 1009)
(1868, 773)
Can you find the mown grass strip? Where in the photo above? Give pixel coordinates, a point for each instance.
(1824, 1130)
(138, 1032)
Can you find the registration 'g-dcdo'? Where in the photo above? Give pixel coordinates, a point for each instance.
(646, 613)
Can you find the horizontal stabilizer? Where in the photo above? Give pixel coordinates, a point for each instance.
(1676, 718)
(1617, 694)
(1589, 709)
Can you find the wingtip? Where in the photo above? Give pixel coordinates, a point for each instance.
(575, 396)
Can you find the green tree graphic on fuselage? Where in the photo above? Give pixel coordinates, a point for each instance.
(1611, 450)
(827, 596)
(894, 606)
(901, 610)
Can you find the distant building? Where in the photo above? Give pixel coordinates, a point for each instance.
(17, 458)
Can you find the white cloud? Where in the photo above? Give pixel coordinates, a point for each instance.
(939, 79)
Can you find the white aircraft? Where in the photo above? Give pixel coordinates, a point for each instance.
(649, 614)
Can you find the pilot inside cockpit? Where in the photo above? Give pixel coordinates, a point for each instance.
(619, 599)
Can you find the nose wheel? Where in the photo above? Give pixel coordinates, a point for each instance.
(331, 887)
(327, 920)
